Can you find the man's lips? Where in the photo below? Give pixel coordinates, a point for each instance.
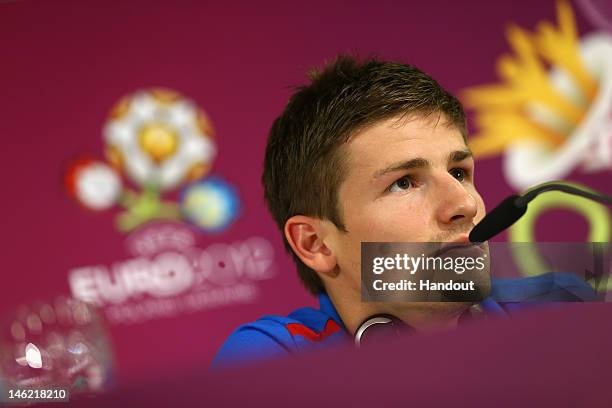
(461, 244)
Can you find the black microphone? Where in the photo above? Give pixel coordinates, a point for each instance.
(501, 217)
(513, 208)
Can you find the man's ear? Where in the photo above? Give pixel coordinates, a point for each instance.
(305, 235)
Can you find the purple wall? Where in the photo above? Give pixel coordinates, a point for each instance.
(65, 64)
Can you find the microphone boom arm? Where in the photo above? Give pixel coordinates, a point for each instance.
(512, 208)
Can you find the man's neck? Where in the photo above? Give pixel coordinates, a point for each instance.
(421, 316)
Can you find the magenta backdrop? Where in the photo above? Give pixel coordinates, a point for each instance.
(65, 63)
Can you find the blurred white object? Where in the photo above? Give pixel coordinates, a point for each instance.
(98, 186)
(71, 351)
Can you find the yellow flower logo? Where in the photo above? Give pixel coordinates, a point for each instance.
(552, 109)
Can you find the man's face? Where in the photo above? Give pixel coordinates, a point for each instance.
(406, 181)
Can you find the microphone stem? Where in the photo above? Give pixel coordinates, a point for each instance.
(523, 200)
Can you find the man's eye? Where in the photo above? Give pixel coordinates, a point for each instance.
(459, 174)
(402, 184)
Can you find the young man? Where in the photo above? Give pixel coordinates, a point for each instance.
(370, 151)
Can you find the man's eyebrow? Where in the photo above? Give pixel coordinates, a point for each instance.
(416, 163)
(419, 163)
(459, 155)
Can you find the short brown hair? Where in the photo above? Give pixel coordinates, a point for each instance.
(303, 167)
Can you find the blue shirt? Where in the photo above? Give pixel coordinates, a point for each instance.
(308, 329)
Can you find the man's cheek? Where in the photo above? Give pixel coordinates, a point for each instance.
(481, 211)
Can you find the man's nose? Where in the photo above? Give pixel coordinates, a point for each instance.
(456, 204)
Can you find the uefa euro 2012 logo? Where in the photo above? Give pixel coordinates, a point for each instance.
(157, 142)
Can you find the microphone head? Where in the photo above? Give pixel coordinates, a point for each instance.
(501, 217)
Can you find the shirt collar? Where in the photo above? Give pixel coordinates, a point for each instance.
(327, 307)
